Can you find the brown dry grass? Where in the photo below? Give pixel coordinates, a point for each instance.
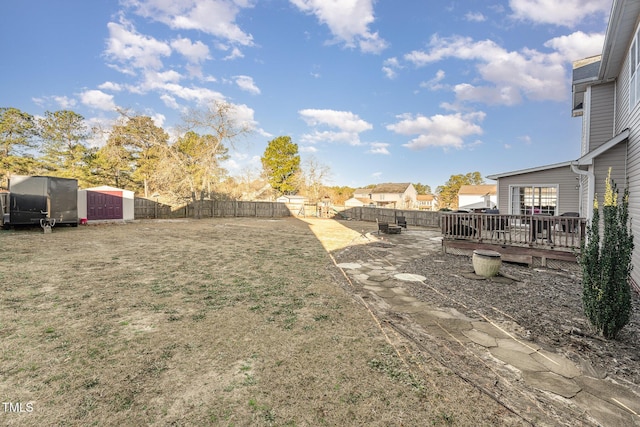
(211, 322)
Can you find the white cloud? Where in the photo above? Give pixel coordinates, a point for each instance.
(247, 84)
(308, 149)
(215, 17)
(98, 100)
(194, 52)
(158, 119)
(170, 102)
(235, 53)
(132, 49)
(474, 17)
(446, 131)
(348, 21)
(526, 139)
(577, 45)
(390, 67)
(65, 102)
(316, 137)
(566, 13)
(434, 83)
(199, 95)
(245, 115)
(492, 95)
(379, 148)
(349, 126)
(114, 87)
(102, 128)
(508, 75)
(344, 120)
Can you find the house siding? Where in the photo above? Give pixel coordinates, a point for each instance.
(615, 158)
(631, 120)
(601, 113)
(564, 178)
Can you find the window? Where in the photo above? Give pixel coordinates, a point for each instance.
(527, 200)
(634, 63)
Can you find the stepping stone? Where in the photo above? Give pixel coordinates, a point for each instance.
(406, 307)
(349, 265)
(490, 329)
(408, 277)
(375, 289)
(513, 345)
(378, 278)
(611, 392)
(556, 363)
(481, 338)
(517, 359)
(554, 383)
(605, 413)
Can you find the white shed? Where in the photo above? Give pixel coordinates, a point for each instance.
(105, 203)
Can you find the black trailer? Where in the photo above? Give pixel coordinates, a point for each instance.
(38, 200)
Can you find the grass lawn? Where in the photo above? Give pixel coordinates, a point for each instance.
(203, 322)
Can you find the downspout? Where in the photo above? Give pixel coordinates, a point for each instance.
(591, 179)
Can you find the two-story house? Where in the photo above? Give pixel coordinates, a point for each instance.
(427, 202)
(390, 195)
(477, 197)
(606, 94)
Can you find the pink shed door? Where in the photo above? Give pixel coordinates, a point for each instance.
(104, 205)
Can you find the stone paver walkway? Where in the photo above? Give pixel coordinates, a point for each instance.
(607, 403)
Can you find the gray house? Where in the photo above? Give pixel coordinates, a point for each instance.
(606, 94)
(552, 189)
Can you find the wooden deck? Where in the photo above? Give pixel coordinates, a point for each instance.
(519, 238)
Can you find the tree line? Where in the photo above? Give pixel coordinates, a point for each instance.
(138, 155)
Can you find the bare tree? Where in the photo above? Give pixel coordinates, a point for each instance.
(208, 134)
(314, 176)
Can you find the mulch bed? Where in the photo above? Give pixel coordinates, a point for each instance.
(546, 303)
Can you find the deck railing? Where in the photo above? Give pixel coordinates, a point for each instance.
(518, 230)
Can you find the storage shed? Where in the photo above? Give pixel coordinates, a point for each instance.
(106, 203)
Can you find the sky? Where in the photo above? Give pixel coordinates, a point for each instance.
(377, 91)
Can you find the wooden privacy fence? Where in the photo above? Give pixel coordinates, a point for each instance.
(415, 218)
(146, 208)
(235, 208)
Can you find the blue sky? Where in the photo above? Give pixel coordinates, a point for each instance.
(378, 91)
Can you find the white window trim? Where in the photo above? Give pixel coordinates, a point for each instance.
(511, 186)
(634, 71)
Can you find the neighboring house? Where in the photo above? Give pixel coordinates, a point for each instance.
(362, 193)
(477, 197)
(295, 200)
(552, 189)
(606, 94)
(391, 195)
(426, 202)
(295, 204)
(358, 202)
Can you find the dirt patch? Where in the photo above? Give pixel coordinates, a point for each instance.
(209, 322)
